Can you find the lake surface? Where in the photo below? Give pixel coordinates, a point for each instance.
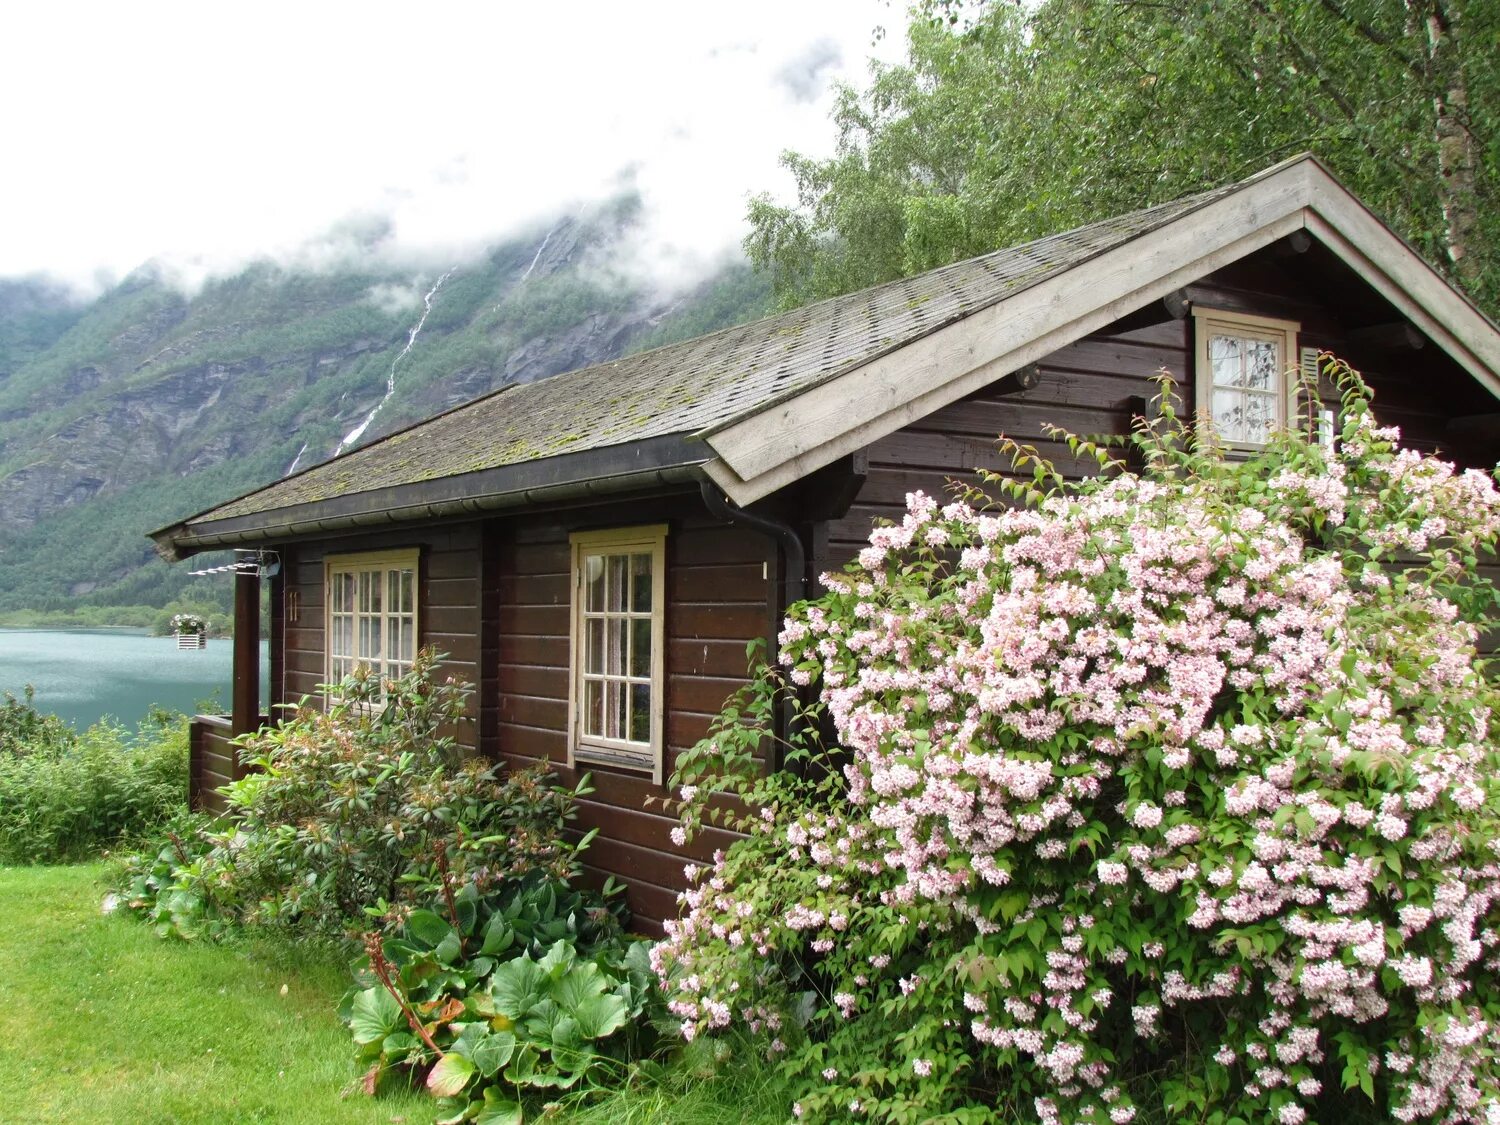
(84, 674)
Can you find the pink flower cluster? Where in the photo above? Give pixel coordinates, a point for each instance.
(1179, 703)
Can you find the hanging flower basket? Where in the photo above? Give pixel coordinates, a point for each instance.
(190, 630)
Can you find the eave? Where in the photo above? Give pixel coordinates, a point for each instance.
(650, 465)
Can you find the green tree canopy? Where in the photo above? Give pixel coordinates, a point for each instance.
(1019, 123)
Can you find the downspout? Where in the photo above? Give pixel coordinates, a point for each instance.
(794, 564)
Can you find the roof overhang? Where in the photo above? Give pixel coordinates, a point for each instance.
(642, 466)
(758, 454)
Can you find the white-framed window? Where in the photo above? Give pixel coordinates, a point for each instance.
(371, 615)
(616, 690)
(1246, 382)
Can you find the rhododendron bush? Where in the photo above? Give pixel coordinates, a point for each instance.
(1172, 790)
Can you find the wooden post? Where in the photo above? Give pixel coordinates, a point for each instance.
(245, 715)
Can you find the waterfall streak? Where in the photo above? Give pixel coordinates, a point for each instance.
(390, 383)
(297, 460)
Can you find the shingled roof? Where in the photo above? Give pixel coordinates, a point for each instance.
(695, 404)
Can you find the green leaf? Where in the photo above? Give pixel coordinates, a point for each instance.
(427, 927)
(451, 1075)
(498, 936)
(581, 985)
(601, 1016)
(499, 1109)
(516, 987)
(493, 1051)
(557, 960)
(375, 1015)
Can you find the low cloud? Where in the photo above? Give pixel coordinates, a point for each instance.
(408, 139)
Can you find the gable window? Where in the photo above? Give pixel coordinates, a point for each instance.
(372, 613)
(615, 699)
(1243, 385)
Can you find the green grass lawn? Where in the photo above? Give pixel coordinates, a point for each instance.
(102, 1021)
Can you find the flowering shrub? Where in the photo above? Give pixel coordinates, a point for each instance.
(1178, 785)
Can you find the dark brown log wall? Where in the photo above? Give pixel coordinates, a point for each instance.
(719, 580)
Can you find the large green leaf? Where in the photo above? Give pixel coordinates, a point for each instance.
(427, 927)
(450, 949)
(499, 1109)
(601, 1016)
(493, 1051)
(451, 1075)
(584, 982)
(375, 1015)
(557, 960)
(516, 986)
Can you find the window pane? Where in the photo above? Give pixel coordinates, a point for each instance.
(344, 603)
(1244, 417)
(640, 646)
(615, 659)
(640, 583)
(640, 712)
(593, 707)
(408, 649)
(1261, 365)
(615, 703)
(593, 579)
(1224, 358)
(593, 647)
(617, 583)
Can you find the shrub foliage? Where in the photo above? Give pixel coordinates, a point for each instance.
(1173, 789)
(66, 796)
(362, 805)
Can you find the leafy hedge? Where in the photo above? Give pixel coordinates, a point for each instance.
(1173, 790)
(66, 796)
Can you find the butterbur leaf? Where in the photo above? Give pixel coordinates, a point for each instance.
(558, 960)
(601, 1016)
(450, 949)
(516, 986)
(499, 1109)
(375, 1015)
(566, 1034)
(493, 1051)
(427, 927)
(399, 1043)
(451, 1075)
(584, 982)
(522, 1065)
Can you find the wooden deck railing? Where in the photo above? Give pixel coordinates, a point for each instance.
(213, 760)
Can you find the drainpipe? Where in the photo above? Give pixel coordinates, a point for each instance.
(794, 562)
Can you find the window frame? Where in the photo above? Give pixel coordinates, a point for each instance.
(381, 562)
(595, 750)
(1245, 326)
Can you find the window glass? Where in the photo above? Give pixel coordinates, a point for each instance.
(372, 618)
(1242, 380)
(618, 647)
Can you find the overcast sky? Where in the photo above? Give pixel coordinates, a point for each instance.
(211, 132)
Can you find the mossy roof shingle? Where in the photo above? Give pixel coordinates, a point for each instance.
(700, 384)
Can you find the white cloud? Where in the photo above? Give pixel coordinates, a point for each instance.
(208, 134)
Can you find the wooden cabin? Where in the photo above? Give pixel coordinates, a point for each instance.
(594, 550)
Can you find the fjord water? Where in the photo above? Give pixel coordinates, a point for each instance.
(84, 674)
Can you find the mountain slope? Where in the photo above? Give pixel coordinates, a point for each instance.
(146, 405)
